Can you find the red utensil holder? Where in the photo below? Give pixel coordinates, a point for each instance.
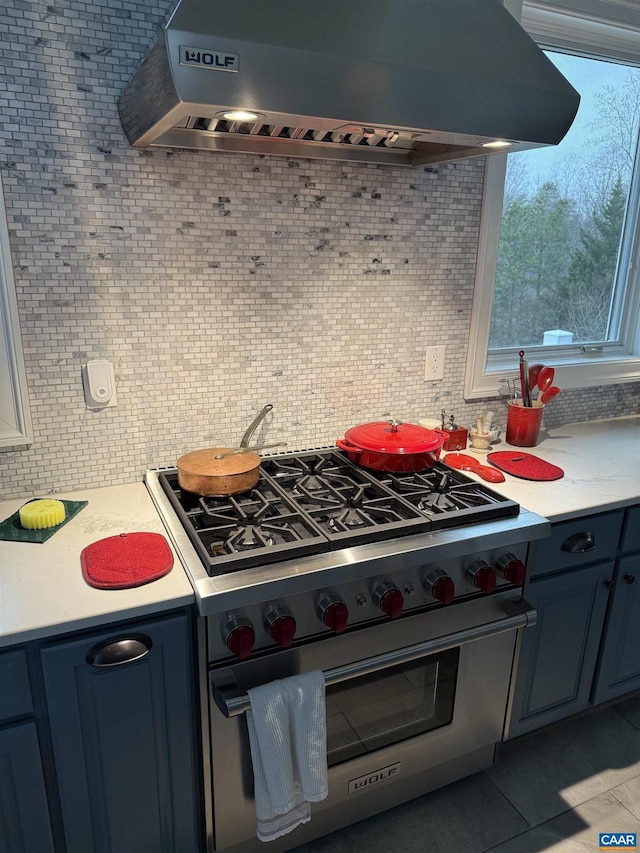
(523, 424)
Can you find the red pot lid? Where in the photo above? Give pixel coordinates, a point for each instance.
(394, 437)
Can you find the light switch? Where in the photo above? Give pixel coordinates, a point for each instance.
(99, 384)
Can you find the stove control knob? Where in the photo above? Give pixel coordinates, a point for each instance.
(333, 612)
(511, 569)
(280, 625)
(239, 635)
(388, 598)
(440, 586)
(482, 576)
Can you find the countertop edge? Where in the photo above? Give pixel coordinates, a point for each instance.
(94, 622)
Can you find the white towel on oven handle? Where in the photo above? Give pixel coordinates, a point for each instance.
(288, 738)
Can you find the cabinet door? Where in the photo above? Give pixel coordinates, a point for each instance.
(24, 813)
(619, 667)
(123, 738)
(558, 655)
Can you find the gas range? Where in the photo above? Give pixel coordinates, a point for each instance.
(316, 521)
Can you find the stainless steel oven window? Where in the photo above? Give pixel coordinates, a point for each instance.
(373, 711)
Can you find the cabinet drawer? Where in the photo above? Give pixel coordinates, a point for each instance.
(15, 696)
(577, 542)
(631, 535)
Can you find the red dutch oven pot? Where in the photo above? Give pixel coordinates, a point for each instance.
(392, 446)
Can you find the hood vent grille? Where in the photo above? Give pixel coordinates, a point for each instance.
(372, 145)
(349, 136)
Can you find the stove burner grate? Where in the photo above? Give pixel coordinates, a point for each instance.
(449, 498)
(237, 531)
(343, 500)
(318, 500)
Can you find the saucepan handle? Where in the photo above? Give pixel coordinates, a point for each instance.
(254, 425)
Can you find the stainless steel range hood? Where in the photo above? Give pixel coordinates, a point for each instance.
(404, 82)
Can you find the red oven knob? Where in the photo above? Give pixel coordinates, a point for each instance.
(333, 612)
(239, 636)
(482, 576)
(389, 599)
(440, 586)
(511, 569)
(280, 625)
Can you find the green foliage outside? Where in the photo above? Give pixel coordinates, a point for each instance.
(559, 241)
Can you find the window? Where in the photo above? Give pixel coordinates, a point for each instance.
(558, 261)
(15, 420)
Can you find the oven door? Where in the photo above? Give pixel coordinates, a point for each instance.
(412, 704)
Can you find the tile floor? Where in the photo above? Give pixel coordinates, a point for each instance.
(554, 789)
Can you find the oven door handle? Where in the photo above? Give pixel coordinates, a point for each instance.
(232, 702)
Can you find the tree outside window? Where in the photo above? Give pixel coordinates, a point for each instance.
(563, 216)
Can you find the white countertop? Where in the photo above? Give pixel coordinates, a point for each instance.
(601, 464)
(42, 590)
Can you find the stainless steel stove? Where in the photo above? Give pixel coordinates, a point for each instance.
(404, 589)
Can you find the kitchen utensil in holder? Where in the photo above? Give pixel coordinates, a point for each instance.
(523, 424)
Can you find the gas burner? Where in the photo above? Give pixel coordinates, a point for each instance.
(434, 479)
(435, 502)
(307, 473)
(260, 536)
(347, 519)
(241, 509)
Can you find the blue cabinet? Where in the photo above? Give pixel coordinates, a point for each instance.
(558, 655)
(585, 647)
(24, 812)
(121, 708)
(619, 666)
(25, 825)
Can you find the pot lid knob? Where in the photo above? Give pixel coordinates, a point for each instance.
(389, 599)
(394, 424)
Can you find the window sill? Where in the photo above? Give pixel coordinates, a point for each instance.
(571, 372)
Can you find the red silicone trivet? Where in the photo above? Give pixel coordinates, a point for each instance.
(130, 559)
(524, 465)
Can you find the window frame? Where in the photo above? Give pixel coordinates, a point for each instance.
(560, 25)
(16, 427)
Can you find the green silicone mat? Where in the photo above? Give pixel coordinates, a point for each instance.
(12, 530)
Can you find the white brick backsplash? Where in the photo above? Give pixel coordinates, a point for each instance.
(215, 283)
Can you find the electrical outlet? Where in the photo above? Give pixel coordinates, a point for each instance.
(434, 364)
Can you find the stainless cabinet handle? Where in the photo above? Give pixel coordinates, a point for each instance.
(579, 543)
(118, 651)
(629, 579)
(232, 703)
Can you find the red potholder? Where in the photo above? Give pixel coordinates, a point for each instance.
(524, 465)
(130, 559)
